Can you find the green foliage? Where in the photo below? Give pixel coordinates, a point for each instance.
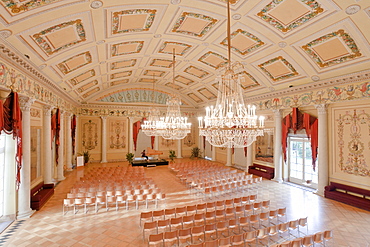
(130, 157)
(86, 154)
(172, 155)
(195, 152)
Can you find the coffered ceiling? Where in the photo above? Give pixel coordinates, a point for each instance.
(120, 52)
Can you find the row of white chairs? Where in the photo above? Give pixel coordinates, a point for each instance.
(107, 201)
(315, 239)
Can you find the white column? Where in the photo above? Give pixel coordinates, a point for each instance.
(48, 162)
(24, 198)
(68, 120)
(9, 179)
(60, 167)
(229, 158)
(322, 159)
(179, 149)
(249, 157)
(213, 153)
(278, 161)
(77, 143)
(103, 139)
(130, 135)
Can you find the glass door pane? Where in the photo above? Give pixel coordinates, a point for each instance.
(300, 162)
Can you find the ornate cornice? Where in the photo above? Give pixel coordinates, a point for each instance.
(31, 71)
(361, 76)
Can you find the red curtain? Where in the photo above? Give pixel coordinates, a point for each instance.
(12, 124)
(55, 128)
(297, 121)
(152, 139)
(73, 128)
(245, 151)
(137, 127)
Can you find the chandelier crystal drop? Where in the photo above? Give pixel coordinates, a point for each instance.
(150, 125)
(230, 123)
(173, 126)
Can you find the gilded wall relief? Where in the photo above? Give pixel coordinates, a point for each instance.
(89, 135)
(117, 138)
(353, 145)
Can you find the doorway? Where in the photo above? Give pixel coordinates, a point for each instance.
(300, 162)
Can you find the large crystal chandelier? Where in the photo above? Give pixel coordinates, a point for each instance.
(230, 123)
(173, 126)
(150, 127)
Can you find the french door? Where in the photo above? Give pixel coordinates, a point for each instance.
(300, 162)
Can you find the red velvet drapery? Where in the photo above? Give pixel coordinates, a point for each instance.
(152, 139)
(55, 129)
(12, 124)
(73, 128)
(136, 129)
(297, 121)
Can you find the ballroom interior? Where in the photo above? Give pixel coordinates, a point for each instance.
(83, 77)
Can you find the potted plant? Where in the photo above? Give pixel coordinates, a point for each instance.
(172, 155)
(130, 157)
(195, 152)
(86, 154)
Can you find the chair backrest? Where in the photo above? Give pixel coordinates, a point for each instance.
(328, 234)
(307, 241)
(302, 221)
(155, 238)
(296, 242)
(318, 237)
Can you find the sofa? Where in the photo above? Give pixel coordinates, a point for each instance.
(41, 194)
(350, 195)
(262, 171)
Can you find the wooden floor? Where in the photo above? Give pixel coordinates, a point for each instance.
(48, 227)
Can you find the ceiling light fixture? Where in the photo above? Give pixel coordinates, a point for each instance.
(150, 127)
(230, 123)
(174, 126)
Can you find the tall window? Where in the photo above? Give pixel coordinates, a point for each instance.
(300, 162)
(2, 162)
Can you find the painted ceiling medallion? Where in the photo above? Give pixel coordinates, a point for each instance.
(249, 81)
(82, 77)
(206, 93)
(173, 86)
(120, 74)
(96, 4)
(315, 78)
(353, 9)
(278, 69)
(95, 90)
(286, 15)
(237, 16)
(195, 98)
(243, 42)
(126, 48)
(333, 48)
(75, 62)
(212, 59)
(123, 64)
(61, 36)
(156, 73)
(16, 7)
(194, 24)
(168, 47)
(5, 33)
(132, 20)
(87, 86)
(164, 63)
(195, 71)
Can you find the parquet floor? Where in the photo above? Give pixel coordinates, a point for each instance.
(48, 227)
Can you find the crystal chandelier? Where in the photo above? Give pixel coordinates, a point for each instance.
(173, 126)
(230, 123)
(150, 127)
